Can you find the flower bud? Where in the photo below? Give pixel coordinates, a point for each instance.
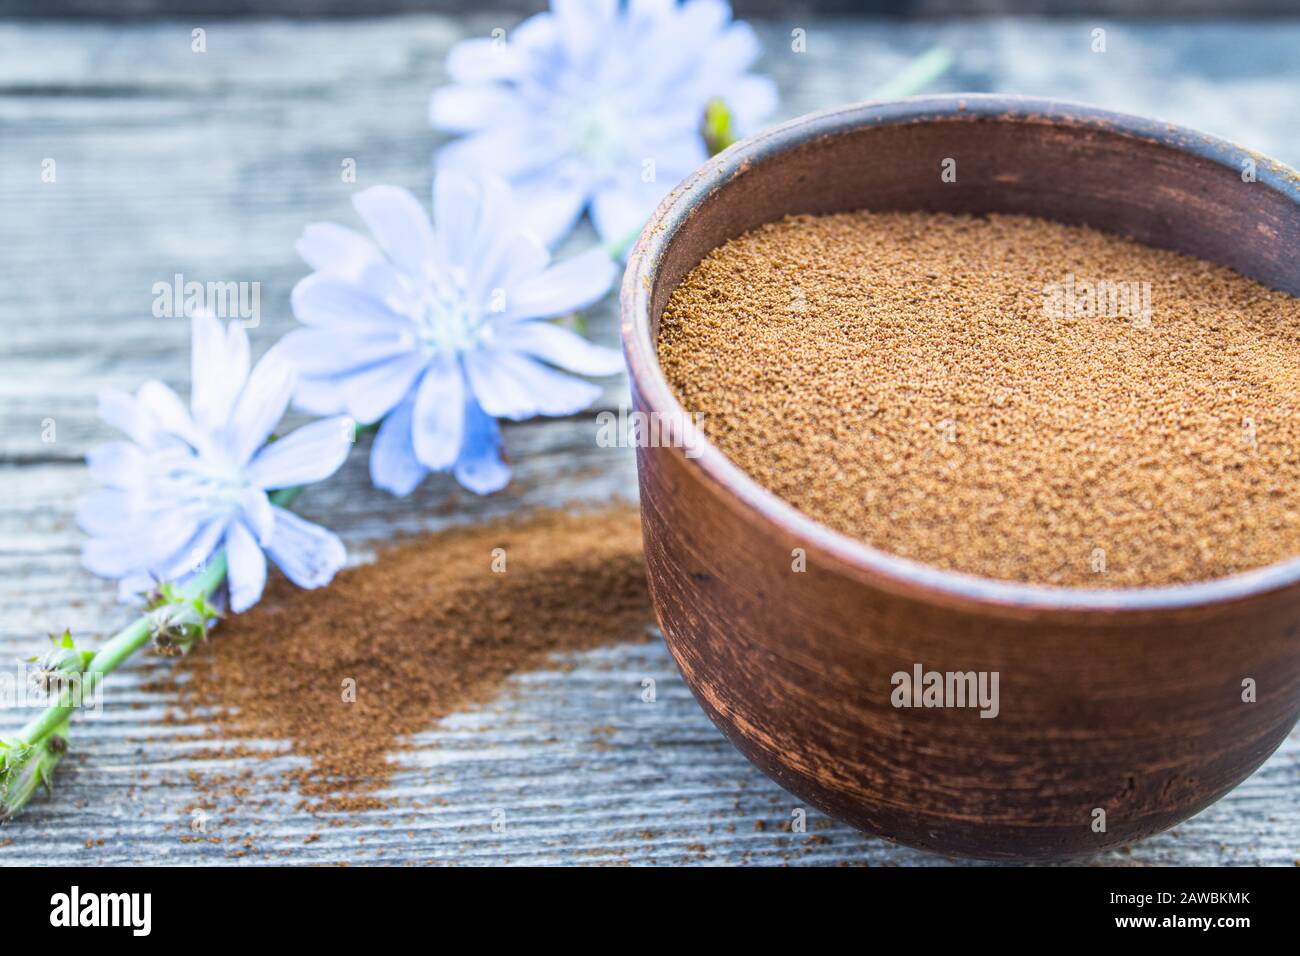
(23, 769)
(58, 669)
(176, 626)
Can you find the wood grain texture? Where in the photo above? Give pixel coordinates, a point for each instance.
(211, 165)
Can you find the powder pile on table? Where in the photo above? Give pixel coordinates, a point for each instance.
(437, 624)
(944, 388)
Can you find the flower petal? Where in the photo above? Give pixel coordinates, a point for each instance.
(751, 100)
(400, 226)
(141, 549)
(498, 218)
(123, 411)
(219, 366)
(118, 464)
(329, 247)
(260, 407)
(370, 393)
(246, 567)
(393, 465)
(619, 212)
(311, 453)
(499, 392)
(256, 508)
(455, 216)
(731, 53)
(194, 555)
(466, 107)
(476, 216)
(507, 151)
(168, 412)
(108, 512)
(481, 59)
(320, 396)
(549, 205)
(509, 263)
(480, 467)
(439, 416)
(584, 26)
(573, 284)
(511, 385)
(317, 352)
(701, 17)
(131, 588)
(308, 554)
(207, 358)
(113, 557)
(558, 346)
(330, 301)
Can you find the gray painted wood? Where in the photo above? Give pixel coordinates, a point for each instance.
(210, 165)
(209, 9)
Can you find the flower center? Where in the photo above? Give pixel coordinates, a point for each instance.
(599, 132)
(448, 327)
(218, 486)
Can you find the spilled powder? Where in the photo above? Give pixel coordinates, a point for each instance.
(428, 629)
(912, 380)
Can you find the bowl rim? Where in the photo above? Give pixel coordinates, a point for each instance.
(886, 569)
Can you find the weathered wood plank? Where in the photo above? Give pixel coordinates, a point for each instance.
(210, 165)
(584, 771)
(201, 9)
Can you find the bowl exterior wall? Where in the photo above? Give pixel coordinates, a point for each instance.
(1137, 713)
(1141, 717)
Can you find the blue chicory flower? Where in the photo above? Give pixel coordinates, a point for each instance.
(438, 334)
(192, 481)
(599, 104)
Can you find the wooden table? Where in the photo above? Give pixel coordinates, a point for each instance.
(209, 165)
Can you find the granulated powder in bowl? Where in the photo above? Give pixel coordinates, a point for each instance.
(1003, 396)
(435, 625)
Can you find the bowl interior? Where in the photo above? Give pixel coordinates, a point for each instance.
(1160, 184)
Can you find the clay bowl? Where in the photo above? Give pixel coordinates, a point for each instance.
(1124, 701)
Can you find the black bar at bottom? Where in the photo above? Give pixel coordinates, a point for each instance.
(338, 905)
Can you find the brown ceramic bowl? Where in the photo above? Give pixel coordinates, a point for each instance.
(1127, 701)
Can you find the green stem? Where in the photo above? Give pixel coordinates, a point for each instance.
(916, 76)
(113, 654)
(618, 249)
(34, 769)
(122, 645)
(39, 751)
